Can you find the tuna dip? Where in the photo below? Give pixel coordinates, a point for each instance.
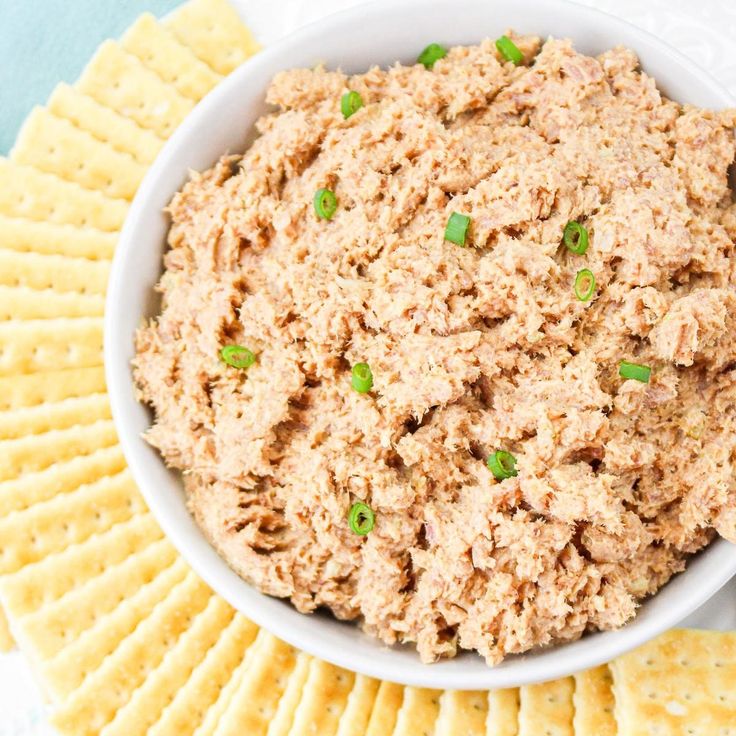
(450, 350)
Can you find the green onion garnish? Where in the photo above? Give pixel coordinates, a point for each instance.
(350, 103)
(325, 203)
(457, 228)
(584, 285)
(433, 52)
(502, 464)
(361, 518)
(362, 378)
(237, 356)
(635, 371)
(509, 50)
(575, 238)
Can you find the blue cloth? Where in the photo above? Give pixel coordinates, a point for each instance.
(43, 42)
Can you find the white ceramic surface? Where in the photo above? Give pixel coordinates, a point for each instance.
(376, 33)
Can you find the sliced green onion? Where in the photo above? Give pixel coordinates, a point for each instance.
(584, 284)
(362, 378)
(509, 50)
(634, 370)
(361, 518)
(502, 464)
(433, 52)
(325, 203)
(237, 356)
(350, 103)
(575, 238)
(457, 228)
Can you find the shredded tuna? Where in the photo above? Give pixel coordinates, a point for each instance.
(472, 349)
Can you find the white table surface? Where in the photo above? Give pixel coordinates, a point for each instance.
(703, 29)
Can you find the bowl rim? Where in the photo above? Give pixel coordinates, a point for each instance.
(314, 639)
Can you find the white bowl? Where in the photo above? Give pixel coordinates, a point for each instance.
(381, 33)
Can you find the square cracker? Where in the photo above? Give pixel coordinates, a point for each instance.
(70, 518)
(47, 632)
(37, 271)
(24, 303)
(357, 713)
(175, 63)
(546, 709)
(6, 638)
(35, 345)
(53, 144)
(680, 684)
(38, 451)
(386, 708)
(16, 423)
(462, 713)
(283, 719)
(263, 683)
(45, 581)
(87, 710)
(35, 195)
(65, 672)
(50, 238)
(323, 700)
(418, 712)
(60, 478)
(148, 702)
(41, 388)
(207, 680)
(118, 79)
(214, 31)
(593, 701)
(105, 124)
(503, 712)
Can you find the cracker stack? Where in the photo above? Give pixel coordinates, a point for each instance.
(123, 637)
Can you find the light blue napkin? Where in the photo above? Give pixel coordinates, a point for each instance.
(43, 42)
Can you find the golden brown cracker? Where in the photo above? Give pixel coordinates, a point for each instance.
(462, 713)
(28, 193)
(386, 708)
(680, 684)
(593, 702)
(209, 677)
(24, 303)
(357, 713)
(37, 271)
(119, 80)
(214, 31)
(323, 700)
(36, 532)
(56, 385)
(6, 638)
(56, 146)
(283, 719)
(50, 238)
(27, 420)
(148, 702)
(87, 710)
(38, 451)
(547, 708)
(418, 713)
(262, 686)
(30, 346)
(105, 124)
(175, 63)
(60, 478)
(47, 580)
(65, 672)
(503, 712)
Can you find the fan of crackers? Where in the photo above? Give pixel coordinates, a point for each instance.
(123, 637)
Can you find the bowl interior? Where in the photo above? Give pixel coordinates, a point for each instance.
(378, 33)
